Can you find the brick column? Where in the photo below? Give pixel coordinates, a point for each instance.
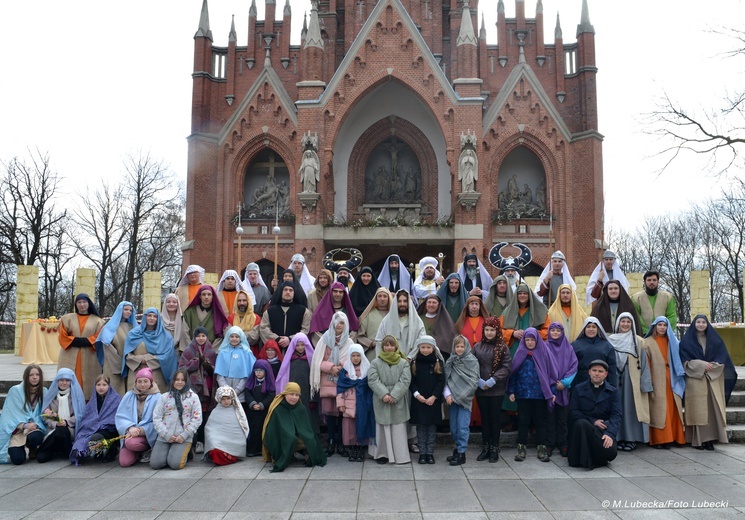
(85, 282)
(151, 292)
(700, 295)
(27, 299)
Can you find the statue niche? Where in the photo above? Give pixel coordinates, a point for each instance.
(266, 191)
(393, 174)
(522, 167)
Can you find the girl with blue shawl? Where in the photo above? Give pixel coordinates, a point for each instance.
(97, 423)
(354, 401)
(149, 345)
(235, 362)
(111, 341)
(62, 407)
(134, 419)
(665, 408)
(21, 424)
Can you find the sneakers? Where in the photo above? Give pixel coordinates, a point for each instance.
(199, 448)
(543, 455)
(521, 454)
(146, 456)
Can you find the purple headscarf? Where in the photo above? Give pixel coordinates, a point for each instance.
(219, 318)
(92, 420)
(541, 359)
(325, 310)
(563, 361)
(269, 384)
(283, 376)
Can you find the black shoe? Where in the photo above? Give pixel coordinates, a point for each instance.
(494, 453)
(361, 454)
(484, 453)
(342, 450)
(352, 454)
(454, 456)
(382, 460)
(709, 446)
(331, 449)
(422, 459)
(430, 459)
(460, 459)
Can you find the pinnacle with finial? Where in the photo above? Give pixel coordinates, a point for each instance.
(204, 22)
(584, 24)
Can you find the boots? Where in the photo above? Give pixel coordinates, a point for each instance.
(458, 459)
(494, 453)
(543, 455)
(331, 449)
(484, 453)
(352, 454)
(454, 456)
(521, 454)
(342, 450)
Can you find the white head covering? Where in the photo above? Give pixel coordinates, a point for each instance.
(423, 264)
(617, 275)
(239, 286)
(364, 365)
(404, 278)
(192, 269)
(624, 342)
(486, 279)
(306, 280)
(253, 266)
(339, 351)
(564, 272)
(426, 340)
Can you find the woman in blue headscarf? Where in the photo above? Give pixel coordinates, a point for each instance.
(235, 363)
(110, 344)
(21, 424)
(62, 406)
(150, 345)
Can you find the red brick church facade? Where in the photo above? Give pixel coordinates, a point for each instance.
(388, 96)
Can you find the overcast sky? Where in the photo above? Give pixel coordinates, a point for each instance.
(91, 81)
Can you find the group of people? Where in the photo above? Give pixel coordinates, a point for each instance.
(382, 361)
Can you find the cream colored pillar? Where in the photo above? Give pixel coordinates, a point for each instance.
(636, 282)
(85, 282)
(581, 283)
(27, 299)
(211, 279)
(700, 295)
(151, 290)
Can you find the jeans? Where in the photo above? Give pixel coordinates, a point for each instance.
(460, 418)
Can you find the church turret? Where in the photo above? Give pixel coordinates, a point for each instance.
(312, 83)
(587, 69)
(230, 63)
(304, 31)
(270, 11)
(560, 64)
(252, 36)
(467, 51)
(483, 52)
(540, 44)
(501, 34)
(202, 70)
(284, 36)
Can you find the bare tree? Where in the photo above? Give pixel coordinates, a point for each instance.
(27, 215)
(101, 238)
(718, 133)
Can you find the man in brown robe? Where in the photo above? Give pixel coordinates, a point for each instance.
(78, 332)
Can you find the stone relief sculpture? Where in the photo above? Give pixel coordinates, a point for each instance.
(522, 204)
(393, 174)
(267, 198)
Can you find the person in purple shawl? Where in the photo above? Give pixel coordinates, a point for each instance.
(296, 369)
(530, 387)
(260, 391)
(564, 368)
(97, 424)
(336, 299)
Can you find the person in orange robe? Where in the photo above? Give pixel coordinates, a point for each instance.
(189, 285)
(78, 332)
(668, 381)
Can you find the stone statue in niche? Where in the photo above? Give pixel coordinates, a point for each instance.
(514, 203)
(526, 196)
(310, 167)
(513, 192)
(468, 170)
(392, 174)
(310, 171)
